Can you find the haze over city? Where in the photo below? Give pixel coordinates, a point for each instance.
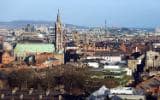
(121, 13)
(79, 50)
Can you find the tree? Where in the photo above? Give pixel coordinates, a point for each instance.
(22, 79)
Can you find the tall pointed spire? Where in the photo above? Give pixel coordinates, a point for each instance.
(105, 26)
(58, 33)
(58, 17)
(106, 29)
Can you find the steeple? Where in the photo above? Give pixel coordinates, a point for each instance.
(105, 26)
(58, 17)
(106, 30)
(59, 34)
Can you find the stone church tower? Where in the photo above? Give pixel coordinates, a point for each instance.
(59, 36)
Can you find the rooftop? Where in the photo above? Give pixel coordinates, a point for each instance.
(22, 48)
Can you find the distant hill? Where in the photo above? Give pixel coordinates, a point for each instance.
(20, 24)
(23, 23)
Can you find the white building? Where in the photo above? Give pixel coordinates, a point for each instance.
(120, 93)
(93, 64)
(111, 59)
(122, 90)
(112, 67)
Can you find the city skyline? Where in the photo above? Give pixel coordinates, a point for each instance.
(118, 13)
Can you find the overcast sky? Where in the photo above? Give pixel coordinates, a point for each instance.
(131, 13)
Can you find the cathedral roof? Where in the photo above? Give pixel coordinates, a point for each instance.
(22, 48)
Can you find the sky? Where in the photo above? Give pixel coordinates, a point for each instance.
(117, 13)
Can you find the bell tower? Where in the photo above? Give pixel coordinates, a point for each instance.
(59, 34)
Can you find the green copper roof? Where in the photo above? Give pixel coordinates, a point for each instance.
(22, 48)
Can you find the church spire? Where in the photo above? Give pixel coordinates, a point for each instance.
(59, 34)
(58, 17)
